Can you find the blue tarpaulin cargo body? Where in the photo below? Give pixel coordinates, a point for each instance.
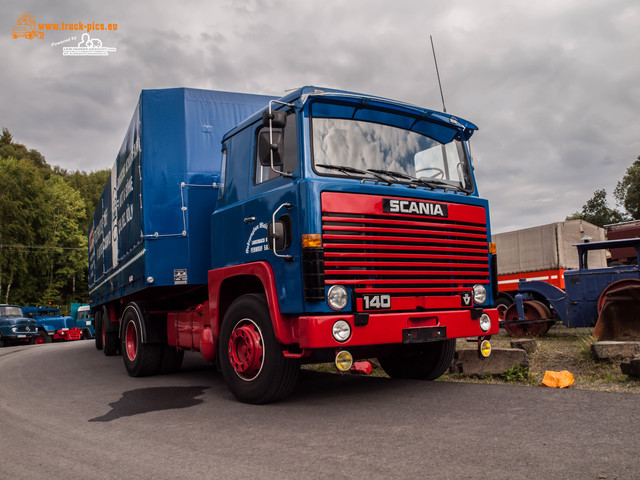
(151, 227)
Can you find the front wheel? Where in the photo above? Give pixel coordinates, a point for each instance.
(251, 359)
(422, 361)
(140, 359)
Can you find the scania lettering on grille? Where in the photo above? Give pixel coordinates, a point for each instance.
(413, 207)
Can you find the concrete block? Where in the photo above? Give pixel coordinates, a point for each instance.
(611, 349)
(529, 345)
(501, 359)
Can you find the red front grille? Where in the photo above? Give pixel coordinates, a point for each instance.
(404, 253)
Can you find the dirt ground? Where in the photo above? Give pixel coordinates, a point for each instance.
(561, 349)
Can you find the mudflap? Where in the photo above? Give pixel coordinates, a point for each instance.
(619, 318)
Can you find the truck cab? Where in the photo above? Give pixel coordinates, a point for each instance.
(15, 328)
(52, 325)
(364, 215)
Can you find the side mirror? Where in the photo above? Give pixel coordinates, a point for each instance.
(265, 147)
(278, 119)
(279, 236)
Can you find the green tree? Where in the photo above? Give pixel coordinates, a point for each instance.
(627, 192)
(597, 211)
(90, 186)
(44, 217)
(22, 203)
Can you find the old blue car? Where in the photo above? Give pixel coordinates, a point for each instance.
(15, 328)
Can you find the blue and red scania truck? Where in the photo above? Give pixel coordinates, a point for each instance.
(323, 226)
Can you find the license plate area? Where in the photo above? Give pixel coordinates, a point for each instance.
(424, 334)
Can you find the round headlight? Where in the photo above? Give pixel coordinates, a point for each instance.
(337, 297)
(341, 331)
(479, 294)
(485, 322)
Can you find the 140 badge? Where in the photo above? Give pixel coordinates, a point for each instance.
(376, 302)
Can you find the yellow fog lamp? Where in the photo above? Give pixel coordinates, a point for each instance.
(485, 348)
(344, 361)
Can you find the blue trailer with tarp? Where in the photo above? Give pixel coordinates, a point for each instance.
(265, 232)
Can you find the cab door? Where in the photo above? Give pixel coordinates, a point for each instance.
(273, 195)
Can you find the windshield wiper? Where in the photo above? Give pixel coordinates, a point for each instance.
(391, 173)
(341, 168)
(351, 170)
(432, 182)
(424, 181)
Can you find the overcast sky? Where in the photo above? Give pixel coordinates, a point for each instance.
(554, 86)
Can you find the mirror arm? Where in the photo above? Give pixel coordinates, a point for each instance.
(284, 174)
(288, 206)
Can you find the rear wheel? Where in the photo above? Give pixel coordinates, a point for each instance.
(251, 359)
(140, 359)
(423, 361)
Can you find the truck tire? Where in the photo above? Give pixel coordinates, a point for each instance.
(423, 361)
(140, 359)
(98, 326)
(251, 359)
(171, 360)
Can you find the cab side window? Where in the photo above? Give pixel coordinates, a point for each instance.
(264, 174)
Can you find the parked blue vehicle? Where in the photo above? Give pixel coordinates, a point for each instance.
(538, 305)
(81, 314)
(51, 324)
(15, 328)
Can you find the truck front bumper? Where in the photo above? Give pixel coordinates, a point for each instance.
(391, 328)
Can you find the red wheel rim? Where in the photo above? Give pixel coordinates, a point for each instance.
(131, 341)
(246, 350)
(532, 310)
(39, 340)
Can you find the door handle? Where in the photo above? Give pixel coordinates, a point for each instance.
(249, 219)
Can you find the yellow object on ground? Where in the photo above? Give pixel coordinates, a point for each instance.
(561, 379)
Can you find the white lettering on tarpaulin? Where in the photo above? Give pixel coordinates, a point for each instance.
(413, 207)
(125, 218)
(124, 169)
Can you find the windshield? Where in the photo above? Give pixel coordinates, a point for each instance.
(10, 312)
(387, 152)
